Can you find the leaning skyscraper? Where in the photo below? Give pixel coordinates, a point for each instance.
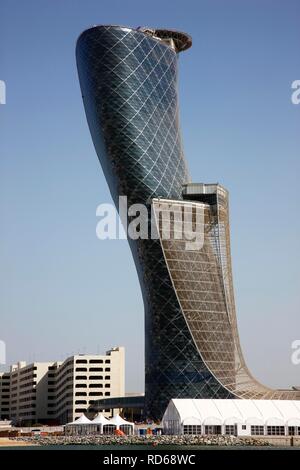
(128, 79)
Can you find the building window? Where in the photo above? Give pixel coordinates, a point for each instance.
(230, 430)
(108, 429)
(291, 431)
(81, 369)
(192, 429)
(81, 377)
(127, 429)
(96, 394)
(80, 385)
(107, 361)
(81, 361)
(80, 410)
(172, 426)
(96, 386)
(96, 369)
(107, 377)
(294, 431)
(96, 361)
(107, 394)
(96, 377)
(275, 430)
(80, 394)
(80, 402)
(107, 385)
(107, 369)
(213, 429)
(257, 430)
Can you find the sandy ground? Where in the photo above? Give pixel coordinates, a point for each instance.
(5, 442)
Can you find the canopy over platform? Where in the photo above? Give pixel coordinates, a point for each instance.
(134, 402)
(181, 41)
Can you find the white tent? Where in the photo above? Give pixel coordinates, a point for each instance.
(241, 417)
(100, 419)
(126, 426)
(81, 426)
(81, 420)
(99, 422)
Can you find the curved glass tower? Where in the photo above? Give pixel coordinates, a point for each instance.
(128, 79)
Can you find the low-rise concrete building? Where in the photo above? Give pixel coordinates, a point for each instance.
(59, 392)
(4, 395)
(75, 384)
(28, 392)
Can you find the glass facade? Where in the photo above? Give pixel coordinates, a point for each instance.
(128, 80)
(202, 280)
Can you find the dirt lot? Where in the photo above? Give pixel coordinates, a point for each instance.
(5, 442)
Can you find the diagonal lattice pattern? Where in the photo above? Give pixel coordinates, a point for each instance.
(202, 281)
(128, 80)
(129, 86)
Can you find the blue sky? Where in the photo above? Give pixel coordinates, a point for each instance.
(62, 290)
